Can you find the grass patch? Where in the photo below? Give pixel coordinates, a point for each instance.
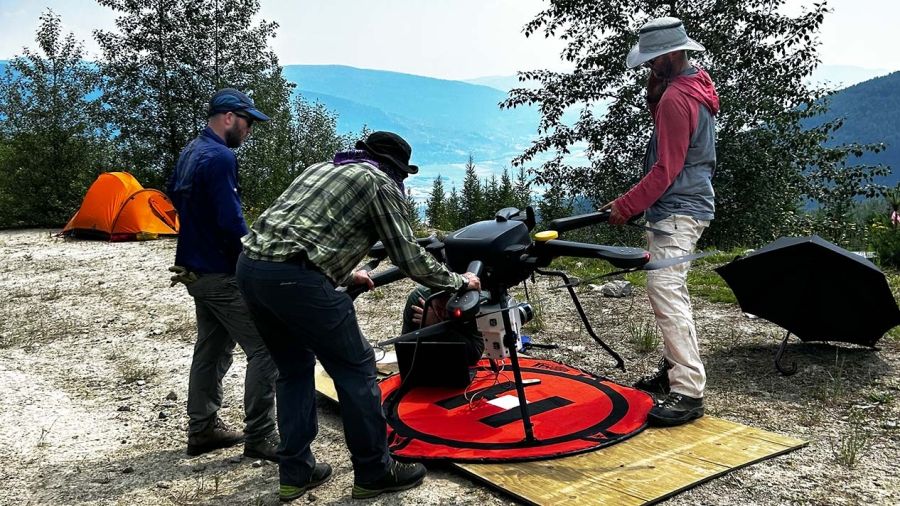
(883, 398)
(833, 389)
(132, 369)
(812, 415)
(643, 335)
(707, 284)
(852, 443)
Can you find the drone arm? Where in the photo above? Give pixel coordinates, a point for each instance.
(579, 221)
(382, 278)
(621, 257)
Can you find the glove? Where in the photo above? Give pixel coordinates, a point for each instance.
(182, 275)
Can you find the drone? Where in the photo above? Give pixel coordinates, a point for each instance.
(502, 253)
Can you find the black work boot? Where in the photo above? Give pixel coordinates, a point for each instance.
(656, 383)
(400, 476)
(265, 448)
(675, 409)
(320, 475)
(216, 436)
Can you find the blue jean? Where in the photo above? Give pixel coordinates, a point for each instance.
(301, 317)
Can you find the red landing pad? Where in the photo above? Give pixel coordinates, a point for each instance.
(571, 411)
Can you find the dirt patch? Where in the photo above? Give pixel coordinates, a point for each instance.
(93, 342)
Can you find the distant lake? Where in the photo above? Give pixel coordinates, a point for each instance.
(453, 174)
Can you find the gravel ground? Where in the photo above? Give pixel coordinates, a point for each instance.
(95, 349)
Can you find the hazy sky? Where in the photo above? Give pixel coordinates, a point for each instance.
(453, 39)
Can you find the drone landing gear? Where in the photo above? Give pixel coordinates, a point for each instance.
(587, 325)
(510, 341)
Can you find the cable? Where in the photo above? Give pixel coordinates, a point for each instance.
(383, 353)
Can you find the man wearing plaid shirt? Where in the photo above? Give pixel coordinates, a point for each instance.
(301, 248)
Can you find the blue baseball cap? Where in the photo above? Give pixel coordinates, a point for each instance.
(230, 99)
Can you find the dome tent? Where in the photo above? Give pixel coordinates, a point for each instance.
(117, 208)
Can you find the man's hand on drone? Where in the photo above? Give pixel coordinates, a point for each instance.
(472, 281)
(616, 217)
(361, 277)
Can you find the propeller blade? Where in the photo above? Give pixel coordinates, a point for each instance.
(669, 262)
(650, 229)
(429, 331)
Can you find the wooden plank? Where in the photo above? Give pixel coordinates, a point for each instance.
(649, 467)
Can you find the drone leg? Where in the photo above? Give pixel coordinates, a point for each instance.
(587, 325)
(509, 340)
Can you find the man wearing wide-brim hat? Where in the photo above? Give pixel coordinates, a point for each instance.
(306, 244)
(676, 196)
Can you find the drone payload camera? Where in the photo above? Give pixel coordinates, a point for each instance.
(503, 254)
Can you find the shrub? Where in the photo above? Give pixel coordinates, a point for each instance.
(884, 238)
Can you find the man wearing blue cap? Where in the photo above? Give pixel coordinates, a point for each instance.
(204, 189)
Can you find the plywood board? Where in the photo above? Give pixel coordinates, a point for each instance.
(654, 465)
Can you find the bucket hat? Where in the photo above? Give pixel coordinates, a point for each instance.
(658, 37)
(391, 148)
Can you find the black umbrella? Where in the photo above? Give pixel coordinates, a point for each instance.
(815, 290)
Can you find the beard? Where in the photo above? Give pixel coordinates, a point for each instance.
(667, 69)
(233, 137)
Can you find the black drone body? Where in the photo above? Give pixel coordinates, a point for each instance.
(503, 254)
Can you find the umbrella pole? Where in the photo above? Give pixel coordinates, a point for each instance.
(780, 354)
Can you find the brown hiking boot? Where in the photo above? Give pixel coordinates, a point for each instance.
(265, 448)
(216, 436)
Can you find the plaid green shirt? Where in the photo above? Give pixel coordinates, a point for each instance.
(335, 214)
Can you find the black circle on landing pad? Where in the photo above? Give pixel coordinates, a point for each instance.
(572, 411)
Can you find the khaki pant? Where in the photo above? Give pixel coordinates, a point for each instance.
(223, 320)
(667, 289)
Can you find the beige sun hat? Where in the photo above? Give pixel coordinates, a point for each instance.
(658, 37)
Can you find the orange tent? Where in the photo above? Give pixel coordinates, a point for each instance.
(116, 207)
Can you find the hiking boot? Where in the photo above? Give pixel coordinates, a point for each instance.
(656, 383)
(265, 448)
(675, 409)
(320, 475)
(216, 436)
(400, 476)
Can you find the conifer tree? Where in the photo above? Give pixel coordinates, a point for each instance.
(472, 198)
(491, 198)
(554, 204)
(506, 196)
(455, 218)
(54, 142)
(412, 211)
(522, 190)
(167, 59)
(436, 205)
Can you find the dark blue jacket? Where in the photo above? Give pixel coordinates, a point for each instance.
(204, 189)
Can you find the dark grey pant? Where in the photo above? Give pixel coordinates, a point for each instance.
(301, 317)
(223, 320)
